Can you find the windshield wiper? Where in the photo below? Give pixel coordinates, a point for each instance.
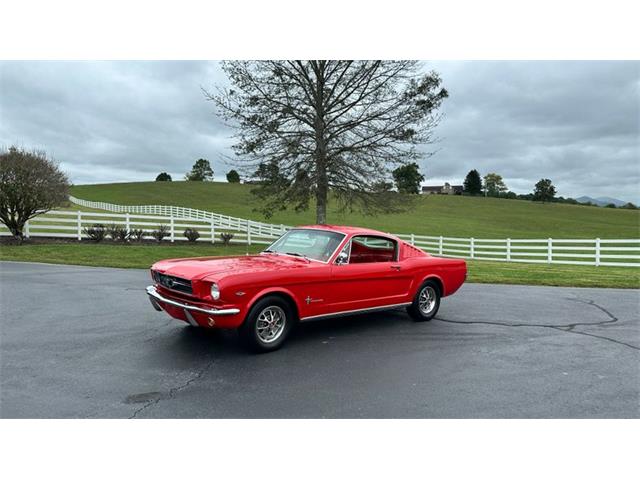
(296, 254)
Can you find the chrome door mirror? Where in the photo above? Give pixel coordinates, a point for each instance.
(342, 259)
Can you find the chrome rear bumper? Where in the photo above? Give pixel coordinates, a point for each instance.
(155, 297)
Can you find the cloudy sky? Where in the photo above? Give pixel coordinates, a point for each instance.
(577, 123)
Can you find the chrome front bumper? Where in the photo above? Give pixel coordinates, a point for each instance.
(155, 297)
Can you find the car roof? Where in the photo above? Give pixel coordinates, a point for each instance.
(349, 230)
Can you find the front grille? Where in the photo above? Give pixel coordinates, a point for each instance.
(173, 283)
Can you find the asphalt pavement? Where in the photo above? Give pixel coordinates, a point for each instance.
(84, 342)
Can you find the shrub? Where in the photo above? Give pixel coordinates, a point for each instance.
(137, 234)
(161, 233)
(191, 234)
(111, 231)
(226, 238)
(96, 232)
(117, 233)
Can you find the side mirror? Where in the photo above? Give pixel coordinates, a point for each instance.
(343, 258)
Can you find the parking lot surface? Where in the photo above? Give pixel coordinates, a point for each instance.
(83, 342)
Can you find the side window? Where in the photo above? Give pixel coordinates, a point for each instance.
(369, 249)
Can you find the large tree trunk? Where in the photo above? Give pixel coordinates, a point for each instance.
(321, 197)
(322, 182)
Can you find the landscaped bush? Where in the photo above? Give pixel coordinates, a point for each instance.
(96, 232)
(226, 238)
(191, 234)
(161, 233)
(137, 234)
(117, 233)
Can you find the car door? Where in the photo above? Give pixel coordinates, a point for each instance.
(371, 277)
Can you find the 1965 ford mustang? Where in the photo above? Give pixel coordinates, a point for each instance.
(310, 272)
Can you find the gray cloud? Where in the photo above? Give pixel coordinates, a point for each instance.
(574, 122)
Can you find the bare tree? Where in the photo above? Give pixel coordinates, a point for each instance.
(30, 183)
(338, 126)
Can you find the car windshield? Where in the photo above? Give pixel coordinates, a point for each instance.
(312, 244)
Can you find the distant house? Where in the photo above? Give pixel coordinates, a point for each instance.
(446, 189)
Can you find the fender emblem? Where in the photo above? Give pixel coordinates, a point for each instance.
(309, 300)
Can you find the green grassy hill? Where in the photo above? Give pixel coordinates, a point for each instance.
(430, 215)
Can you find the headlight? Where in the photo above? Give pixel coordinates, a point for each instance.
(215, 291)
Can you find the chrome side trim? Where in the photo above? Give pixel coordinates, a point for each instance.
(153, 294)
(359, 310)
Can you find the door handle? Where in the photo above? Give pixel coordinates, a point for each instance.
(395, 267)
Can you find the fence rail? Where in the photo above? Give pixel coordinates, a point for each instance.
(598, 252)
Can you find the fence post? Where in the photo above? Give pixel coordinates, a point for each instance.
(549, 250)
(173, 236)
(79, 225)
(213, 233)
(249, 232)
(127, 222)
(26, 229)
(413, 239)
(508, 249)
(597, 252)
(471, 247)
(440, 246)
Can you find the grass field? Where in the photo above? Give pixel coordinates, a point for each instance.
(430, 215)
(142, 256)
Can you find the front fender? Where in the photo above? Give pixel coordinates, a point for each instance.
(273, 290)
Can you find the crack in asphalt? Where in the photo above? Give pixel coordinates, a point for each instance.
(567, 328)
(172, 391)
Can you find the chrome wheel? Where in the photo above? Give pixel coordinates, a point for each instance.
(270, 324)
(427, 300)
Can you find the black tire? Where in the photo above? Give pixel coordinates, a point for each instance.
(254, 333)
(429, 310)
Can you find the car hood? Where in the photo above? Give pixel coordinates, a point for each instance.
(217, 267)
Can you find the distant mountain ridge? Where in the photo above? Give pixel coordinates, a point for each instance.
(601, 201)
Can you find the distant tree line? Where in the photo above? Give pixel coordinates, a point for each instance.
(492, 185)
(407, 179)
(200, 172)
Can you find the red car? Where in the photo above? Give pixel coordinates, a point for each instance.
(310, 272)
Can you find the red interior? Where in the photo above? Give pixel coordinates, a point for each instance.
(362, 254)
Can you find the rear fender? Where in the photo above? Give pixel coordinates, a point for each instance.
(439, 280)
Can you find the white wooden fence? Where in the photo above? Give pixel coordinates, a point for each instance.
(68, 224)
(599, 252)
